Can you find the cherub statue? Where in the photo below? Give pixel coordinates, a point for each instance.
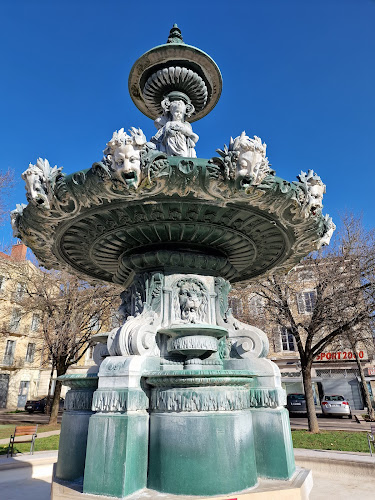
(175, 135)
(123, 155)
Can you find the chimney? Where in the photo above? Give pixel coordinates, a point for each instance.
(18, 252)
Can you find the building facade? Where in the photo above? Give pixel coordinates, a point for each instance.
(335, 371)
(22, 375)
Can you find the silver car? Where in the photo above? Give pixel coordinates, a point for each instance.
(336, 405)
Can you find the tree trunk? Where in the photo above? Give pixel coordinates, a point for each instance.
(48, 405)
(309, 395)
(370, 409)
(61, 370)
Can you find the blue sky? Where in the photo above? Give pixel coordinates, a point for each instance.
(300, 74)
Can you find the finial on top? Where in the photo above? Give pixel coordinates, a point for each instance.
(175, 35)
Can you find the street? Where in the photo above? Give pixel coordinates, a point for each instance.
(296, 421)
(332, 423)
(25, 418)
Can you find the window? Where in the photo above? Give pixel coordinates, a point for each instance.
(306, 302)
(9, 352)
(2, 281)
(236, 305)
(30, 352)
(20, 290)
(90, 353)
(15, 319)
(306, 275)
(115, 320)
(287, 340)
(35, 322)
(256, 305)
(94, 323)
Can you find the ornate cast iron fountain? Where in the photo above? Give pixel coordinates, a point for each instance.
(185, 400)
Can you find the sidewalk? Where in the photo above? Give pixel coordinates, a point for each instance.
(343, 475)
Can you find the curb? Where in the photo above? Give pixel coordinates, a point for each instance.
(339, 463)
(22, 467)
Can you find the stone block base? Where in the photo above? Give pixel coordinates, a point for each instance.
(201, 453)
(116, 459)
(297, 488)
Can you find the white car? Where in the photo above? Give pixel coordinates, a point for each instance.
(336, 405)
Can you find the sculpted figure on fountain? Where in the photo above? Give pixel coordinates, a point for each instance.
(245, 158)
(40, 180)
(175, 135)
(122, 155)
(313, 189)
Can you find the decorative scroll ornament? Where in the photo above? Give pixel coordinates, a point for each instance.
(246, 341)
(83, 231)
(329, 228)
(40, 181)
(14, 218)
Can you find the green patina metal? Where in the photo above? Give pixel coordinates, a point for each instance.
(116, 462)
(105, 231)
(74, 425)
(184, 400)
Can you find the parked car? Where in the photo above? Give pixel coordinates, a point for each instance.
(296, 403)
(336, 405)
(41, 405)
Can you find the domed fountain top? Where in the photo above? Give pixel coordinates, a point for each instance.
(177, 71)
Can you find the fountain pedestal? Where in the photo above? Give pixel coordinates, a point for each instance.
(188, 415)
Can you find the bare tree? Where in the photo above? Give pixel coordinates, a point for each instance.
(70, 312)
(342, 302)
(356, 341)
(6, 181)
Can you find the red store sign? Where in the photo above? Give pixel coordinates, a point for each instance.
(340, 355)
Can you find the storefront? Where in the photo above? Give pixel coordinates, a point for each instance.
(332, 373)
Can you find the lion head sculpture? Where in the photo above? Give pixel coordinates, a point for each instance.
(191, 301)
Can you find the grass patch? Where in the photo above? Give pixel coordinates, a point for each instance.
(331, 440)
(42, 444)
(7, 430)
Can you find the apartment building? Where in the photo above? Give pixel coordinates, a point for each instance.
(334, 371)
(21, 348)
